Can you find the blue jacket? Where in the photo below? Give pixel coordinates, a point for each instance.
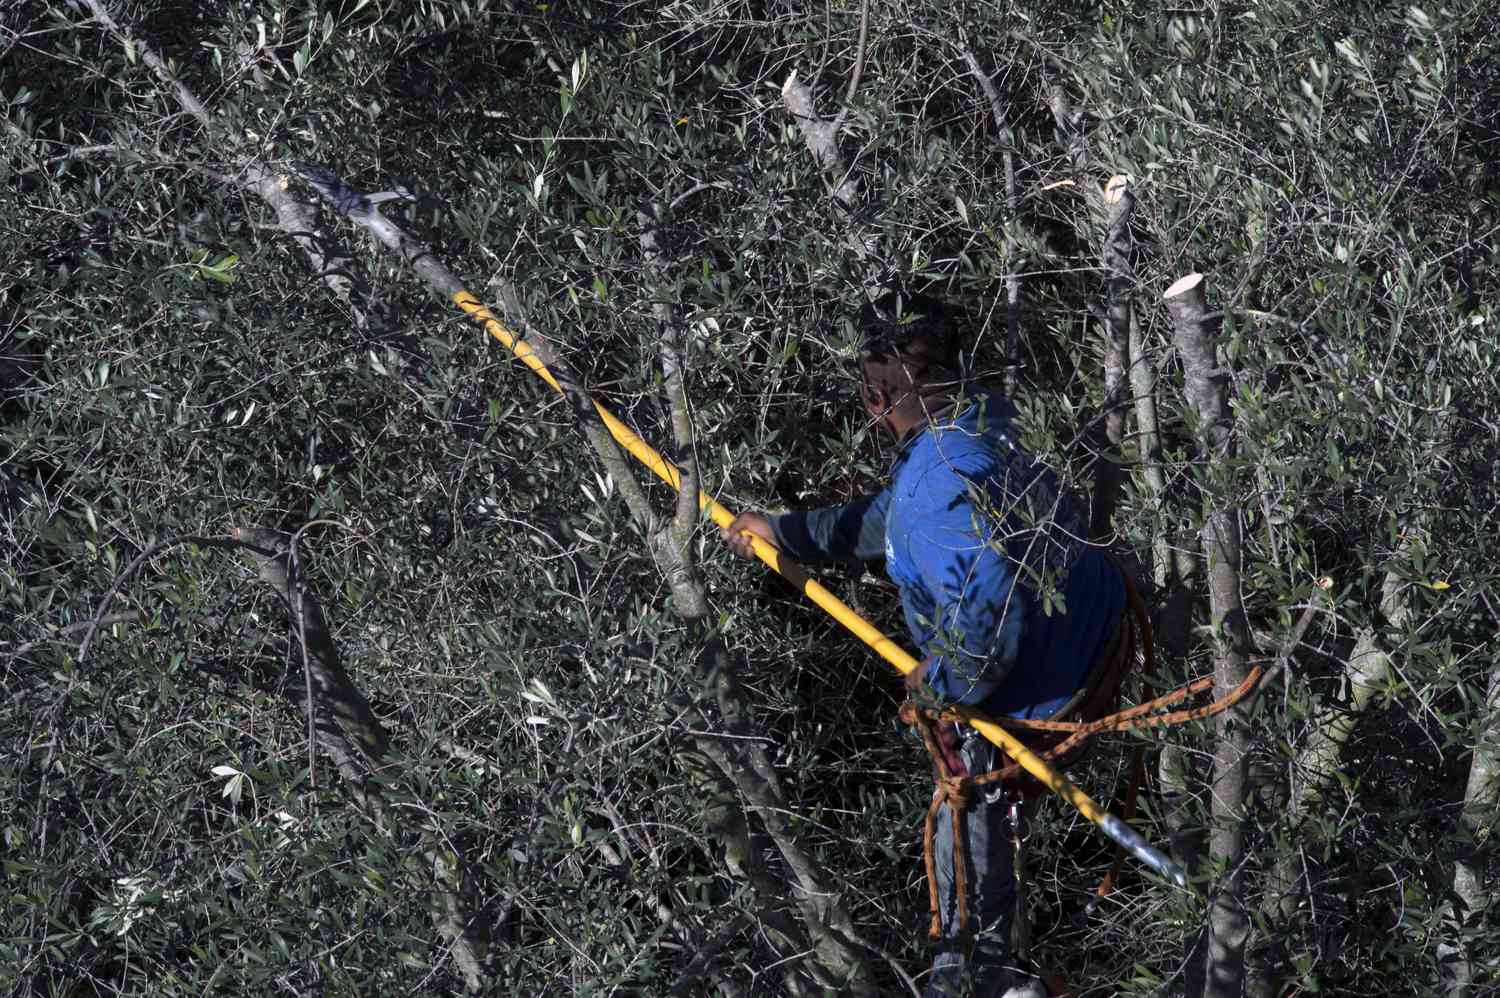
(1001, 590)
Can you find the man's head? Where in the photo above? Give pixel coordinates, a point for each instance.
(909, 363)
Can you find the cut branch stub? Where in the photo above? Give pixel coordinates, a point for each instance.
(1203, 378)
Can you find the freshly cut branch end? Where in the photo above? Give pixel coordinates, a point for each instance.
(1183, 285)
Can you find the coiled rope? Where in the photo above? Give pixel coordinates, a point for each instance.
(1058, 743)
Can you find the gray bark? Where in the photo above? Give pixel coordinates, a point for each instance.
(1476, 827)
(1369, 670)
(1006, 138)
(347, 730)
(1205, 385)
(1119, 201)
(1069, 122)
(1164, 562)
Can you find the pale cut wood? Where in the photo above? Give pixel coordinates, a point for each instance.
(1186, 285)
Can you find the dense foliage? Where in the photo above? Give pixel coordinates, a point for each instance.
(171, 366)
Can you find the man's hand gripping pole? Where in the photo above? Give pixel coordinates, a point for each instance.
(364, 209)
(794, 573)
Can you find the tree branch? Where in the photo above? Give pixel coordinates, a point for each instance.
(821, 137)
(1119, 201)
(335, 695)
(331, 262)
(1007, 141)
(1205, 385)
(270, 552)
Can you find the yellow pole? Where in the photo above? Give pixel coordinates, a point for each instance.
(840, 611)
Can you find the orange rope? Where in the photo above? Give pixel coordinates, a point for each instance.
(958, 790)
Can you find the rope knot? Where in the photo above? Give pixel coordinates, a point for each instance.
(958, 791)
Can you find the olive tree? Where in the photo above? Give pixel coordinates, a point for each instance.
(344, 653)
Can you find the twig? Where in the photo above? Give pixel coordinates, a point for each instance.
(1012, 280)
(58, 633)
(1284, 654)
(859, 67)
(218, 541)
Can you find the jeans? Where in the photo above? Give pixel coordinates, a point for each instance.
(986, 970)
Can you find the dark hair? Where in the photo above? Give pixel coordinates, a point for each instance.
(900, 324)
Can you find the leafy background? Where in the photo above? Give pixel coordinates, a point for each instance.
(171, 365)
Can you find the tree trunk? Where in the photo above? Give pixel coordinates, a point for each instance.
(1205, 385)
(1476, 826)
(1108, 475)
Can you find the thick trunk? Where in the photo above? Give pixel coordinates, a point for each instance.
(1205, 386)
(329, 686)
(1476, 826)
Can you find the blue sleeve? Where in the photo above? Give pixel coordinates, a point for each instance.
(977, 614)
(855, 530)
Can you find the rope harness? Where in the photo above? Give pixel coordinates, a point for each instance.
(1059, 743)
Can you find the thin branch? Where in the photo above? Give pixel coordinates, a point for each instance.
(1006, 138)
(332, 263)
(202, 540)
(859, 67)
(61, 632)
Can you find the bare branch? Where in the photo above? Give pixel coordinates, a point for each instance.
(859, 67)
(1120, 282)
(1006, 138)
(148, 55)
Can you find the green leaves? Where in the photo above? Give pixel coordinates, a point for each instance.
(492, 599)
(220, 269)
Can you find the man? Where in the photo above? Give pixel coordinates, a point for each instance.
(1009, 604)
